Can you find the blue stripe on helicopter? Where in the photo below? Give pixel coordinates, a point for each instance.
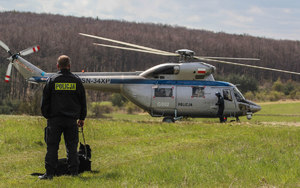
(169, 82)
(158, 82)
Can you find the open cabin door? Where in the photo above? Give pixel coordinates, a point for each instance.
(229, 102)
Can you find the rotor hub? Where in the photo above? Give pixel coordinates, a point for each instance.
(185, 55)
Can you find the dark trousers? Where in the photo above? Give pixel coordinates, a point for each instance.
(220, 114)
(55, 127)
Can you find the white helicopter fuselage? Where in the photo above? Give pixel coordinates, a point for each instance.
(170, 90)
(175, 97)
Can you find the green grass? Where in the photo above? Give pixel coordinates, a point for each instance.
(281, 108)
(140, 151)
(279, 111)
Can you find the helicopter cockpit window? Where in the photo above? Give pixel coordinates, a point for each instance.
(162, 70)
(198, 92)
(176, 69)
(238, 96)
(163, 92)
(227, 95)
(167, 70)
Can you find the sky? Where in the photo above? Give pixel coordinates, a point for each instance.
(278, 19)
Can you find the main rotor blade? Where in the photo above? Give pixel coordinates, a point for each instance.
(135, 49)
(29, 50)
(8, 72)
(230, 58)
(126, 43)
(3, 45)
(245, 65)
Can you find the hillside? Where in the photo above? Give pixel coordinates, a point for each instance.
(59, 35)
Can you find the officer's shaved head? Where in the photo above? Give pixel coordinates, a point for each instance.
(64, 62)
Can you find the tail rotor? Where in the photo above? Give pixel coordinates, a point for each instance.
(29, 50)
(5, 47)
(8, 72)
(13, 57)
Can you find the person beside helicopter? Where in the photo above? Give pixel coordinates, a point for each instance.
(220, 103)
(63, 103)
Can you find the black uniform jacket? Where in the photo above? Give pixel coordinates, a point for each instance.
(64, 96)
(220, 102)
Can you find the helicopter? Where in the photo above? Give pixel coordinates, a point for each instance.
(169, 90)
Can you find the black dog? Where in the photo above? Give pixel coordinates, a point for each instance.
(84, 155)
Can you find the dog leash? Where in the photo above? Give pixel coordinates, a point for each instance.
(85, 150)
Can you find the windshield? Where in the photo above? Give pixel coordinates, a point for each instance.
(238, 95)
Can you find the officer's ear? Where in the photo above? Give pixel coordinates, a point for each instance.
(57, 66)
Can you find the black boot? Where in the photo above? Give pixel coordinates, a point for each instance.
(46, 177)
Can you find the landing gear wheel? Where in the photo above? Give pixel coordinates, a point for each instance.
(168, 120)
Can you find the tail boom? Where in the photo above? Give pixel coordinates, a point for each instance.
(27, 69)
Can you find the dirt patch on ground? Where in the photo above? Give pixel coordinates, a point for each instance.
(296, 124)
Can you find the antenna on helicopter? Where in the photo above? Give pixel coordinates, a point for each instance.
(13, 57)
(184, 54)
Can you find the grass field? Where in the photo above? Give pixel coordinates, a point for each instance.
(140, 151)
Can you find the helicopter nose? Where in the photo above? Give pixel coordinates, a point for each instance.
(255, 108)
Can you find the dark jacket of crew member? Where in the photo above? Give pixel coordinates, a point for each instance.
(64, 96)
(220, 102)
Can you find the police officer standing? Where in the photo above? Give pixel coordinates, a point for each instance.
(220, 103)
(64, 107)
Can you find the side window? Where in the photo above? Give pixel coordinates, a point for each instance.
(163, 92)
(198, 92)
(227, 95)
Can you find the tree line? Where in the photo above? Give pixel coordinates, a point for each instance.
(58, 35)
